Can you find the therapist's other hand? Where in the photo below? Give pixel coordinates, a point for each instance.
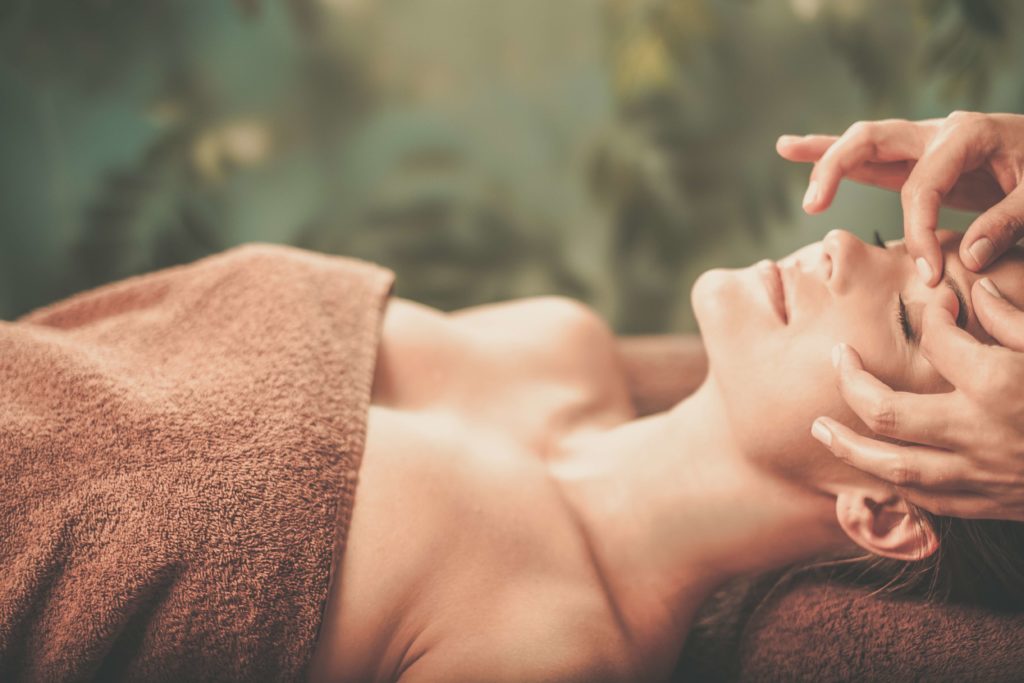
(967, 161)
(961, 453)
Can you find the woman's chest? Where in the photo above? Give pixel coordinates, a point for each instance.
(460, 545)
(458, 532)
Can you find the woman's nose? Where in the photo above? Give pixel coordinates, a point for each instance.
(845, 253)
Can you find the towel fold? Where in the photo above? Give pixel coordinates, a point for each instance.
(178, 460)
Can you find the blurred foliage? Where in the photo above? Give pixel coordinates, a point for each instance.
(604, 149)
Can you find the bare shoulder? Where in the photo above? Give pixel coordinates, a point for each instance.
(550, 337)
(558, 351)
(570, 320)
(557, 329)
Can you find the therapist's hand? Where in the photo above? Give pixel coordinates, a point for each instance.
(967, 160)
(963, 454)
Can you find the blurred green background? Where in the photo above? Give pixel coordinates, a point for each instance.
(609, 150)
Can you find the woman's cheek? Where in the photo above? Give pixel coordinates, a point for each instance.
(773, 391)
(773, 379)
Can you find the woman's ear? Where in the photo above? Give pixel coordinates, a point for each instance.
(883, 523)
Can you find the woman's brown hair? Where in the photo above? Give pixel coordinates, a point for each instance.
(979, 561)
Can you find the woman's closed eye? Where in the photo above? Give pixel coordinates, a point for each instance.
(901, 311)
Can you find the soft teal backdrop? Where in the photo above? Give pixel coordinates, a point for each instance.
(484, 149)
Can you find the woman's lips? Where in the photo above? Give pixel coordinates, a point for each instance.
(772, 278)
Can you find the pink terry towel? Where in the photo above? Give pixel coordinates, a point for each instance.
(178, 459)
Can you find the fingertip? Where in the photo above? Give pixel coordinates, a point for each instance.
(989, 287)
(923, 246)
(977, 254)
(812, 196)
(837, 355)
(997, 315)
(820, 431)
(786, 141)
(854, 357)
(929, 271)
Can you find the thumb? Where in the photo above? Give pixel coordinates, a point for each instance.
(994, 231)
(999, 317)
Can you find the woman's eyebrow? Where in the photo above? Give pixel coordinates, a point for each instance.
(963, 312)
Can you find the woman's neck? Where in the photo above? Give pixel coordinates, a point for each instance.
(672, 509)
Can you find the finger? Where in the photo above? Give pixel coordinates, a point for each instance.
(994, 231)
(803, 148)
(999, 317)
(918, 418)
(953, 352)
(909, 466)
(864, 141)
(952, 152)
(809, 148)
(974, 191)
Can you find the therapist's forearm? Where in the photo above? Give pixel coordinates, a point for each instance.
(662, 370)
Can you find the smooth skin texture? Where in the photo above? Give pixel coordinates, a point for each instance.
(968, 161)
(515, 520)
(966, 458)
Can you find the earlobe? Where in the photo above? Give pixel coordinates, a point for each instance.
(884, 524)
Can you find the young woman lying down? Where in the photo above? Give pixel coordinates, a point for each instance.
(513, 519)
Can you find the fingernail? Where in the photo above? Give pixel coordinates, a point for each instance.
(981, 251)
(989, 286)
(787, 139)
(822, 433)
(811, 196)
(837, 354)
(924, 270)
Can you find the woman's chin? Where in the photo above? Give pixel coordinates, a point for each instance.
(710, 296)
(761, 372)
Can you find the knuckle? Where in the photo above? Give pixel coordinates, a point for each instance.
(840, 448)
(975, 124)
(962, 116)
(864, 134)
(881, 417)
(910, 190)
(860, 130)
(916, 193)
(902, 475)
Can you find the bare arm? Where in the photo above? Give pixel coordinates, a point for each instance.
(662, 370)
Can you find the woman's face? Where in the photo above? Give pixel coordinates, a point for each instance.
(771, 359)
